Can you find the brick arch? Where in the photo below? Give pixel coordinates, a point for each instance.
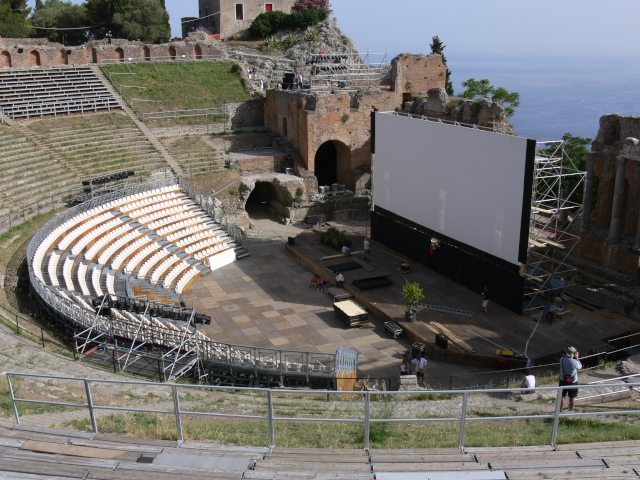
(34, 58)
(62, 57)
(119, 54)
(5, 59)
(197, 52)
(146, 53)
(332, 163)
(172, 53)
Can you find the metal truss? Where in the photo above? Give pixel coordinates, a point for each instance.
(91, 334)
(553, 246)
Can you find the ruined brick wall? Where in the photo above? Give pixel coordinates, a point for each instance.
(615, 256)
(262, 164)
(614, 129)
(121, 50)
(246, 114)
(418, 73)
(340, 118)
(23, 55)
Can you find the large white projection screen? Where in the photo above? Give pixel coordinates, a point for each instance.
(463, 183)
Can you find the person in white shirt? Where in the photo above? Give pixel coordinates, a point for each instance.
(419, 366)
(346, 250)
(529, 380)
(339, 280)
(367, 248)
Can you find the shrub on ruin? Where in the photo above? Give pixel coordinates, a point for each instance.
(335, 238)
(269, 23)
(304, 5)
(271, 43)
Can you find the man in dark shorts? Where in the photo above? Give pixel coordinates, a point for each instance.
(569, 367)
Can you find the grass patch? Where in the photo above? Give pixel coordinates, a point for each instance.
(351, 435)
(181, 86)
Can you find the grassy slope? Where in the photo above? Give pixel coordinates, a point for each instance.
(180, 86)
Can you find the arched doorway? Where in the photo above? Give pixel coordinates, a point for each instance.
(146, 53)
(197, 52)
(5, 59)
(259, 204)
(34, 58)
(119, 54)
(333, 164)
(172, 53)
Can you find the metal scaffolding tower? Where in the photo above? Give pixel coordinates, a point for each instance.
(553, 246)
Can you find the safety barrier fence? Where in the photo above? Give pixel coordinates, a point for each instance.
(365, 412)
(161, 59)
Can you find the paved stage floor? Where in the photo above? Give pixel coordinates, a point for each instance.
(264, 300)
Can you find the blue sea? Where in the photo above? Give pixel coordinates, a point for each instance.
(558, 94)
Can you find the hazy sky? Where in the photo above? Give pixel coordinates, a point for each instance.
(501, 27)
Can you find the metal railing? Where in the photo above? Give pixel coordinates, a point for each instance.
(162, 59)
(194, 112)
(363, 417)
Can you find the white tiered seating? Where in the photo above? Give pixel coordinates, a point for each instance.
(67, 269)
(164, 266)
(96, 273)
(91, 253)
(91, 235)
(141, 255)
(124, 254)
(185, 279)
(157, 257)
(120, 243)
(111, 283)
(74, 234)
(175, 272)
(82, 278)
(52, 268)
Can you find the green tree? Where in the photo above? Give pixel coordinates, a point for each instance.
(437, 47)
(475, 89)
(144, 20)
(13, 19)
(60, 15)
(100, 15)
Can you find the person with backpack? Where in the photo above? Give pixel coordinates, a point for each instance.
(569, 367)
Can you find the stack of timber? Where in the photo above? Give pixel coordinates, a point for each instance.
(351, 313)
(452, 337)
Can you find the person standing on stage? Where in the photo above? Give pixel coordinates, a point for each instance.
(485, 300)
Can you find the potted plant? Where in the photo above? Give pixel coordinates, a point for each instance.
(412, 294)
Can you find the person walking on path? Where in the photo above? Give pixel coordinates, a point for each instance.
(261, 84)
(569, 367)
(485, 300)
(367, 248)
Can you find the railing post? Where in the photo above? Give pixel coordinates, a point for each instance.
(463, 419)
(176, 409)
(13, 399)
(92, 413)
(367, 417)
(272, 431)
(42, 336)
(556, 418)
(17, 325)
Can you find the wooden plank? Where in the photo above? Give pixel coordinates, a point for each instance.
(35, 436)
(152, 469)
(28, 456)
(610, 452)
(115, 446)
(431, 467)
(41, 468)
(232, 449)
(215, 453)
(571, 474)
(142, 475)
(74, 450)
(30, 476)
(517, 464)
(461, 457)
(599, 445)
(11, 442)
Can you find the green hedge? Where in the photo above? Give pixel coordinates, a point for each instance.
(269, 23)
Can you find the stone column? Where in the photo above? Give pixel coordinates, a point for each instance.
(618, 196)
(587, 197)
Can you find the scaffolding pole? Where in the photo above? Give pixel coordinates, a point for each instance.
(554, 246)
